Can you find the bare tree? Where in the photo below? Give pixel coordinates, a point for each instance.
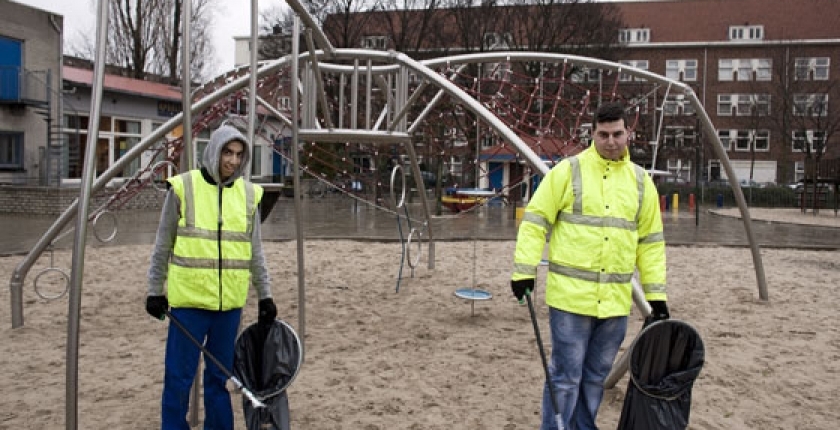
(144, 37)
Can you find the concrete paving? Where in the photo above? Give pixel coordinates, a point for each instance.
(344, 218)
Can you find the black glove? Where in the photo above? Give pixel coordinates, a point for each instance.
(658, 312)
(521, 287)
(157, 306)
(267, 311)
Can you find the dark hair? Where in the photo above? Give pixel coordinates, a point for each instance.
(609, 112)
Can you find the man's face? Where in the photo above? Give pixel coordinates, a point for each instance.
(611, 139)
(231, 158)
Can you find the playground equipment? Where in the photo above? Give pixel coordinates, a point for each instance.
(340, 131)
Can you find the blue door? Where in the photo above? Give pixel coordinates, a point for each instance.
(11, 56)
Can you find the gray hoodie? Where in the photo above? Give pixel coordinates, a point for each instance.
(170, 214)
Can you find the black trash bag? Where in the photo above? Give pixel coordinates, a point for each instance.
(665, 359)
(267, 361)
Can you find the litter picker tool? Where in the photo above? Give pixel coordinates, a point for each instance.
(557, 416)
(245, 391)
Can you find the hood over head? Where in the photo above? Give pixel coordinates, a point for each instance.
(213, 152)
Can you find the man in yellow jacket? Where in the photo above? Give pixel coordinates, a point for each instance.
(208, 252)
(602, 213)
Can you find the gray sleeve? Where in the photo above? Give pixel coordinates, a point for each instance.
(164, 242)
(259, 273)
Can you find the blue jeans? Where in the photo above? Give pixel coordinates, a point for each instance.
(583, 349)
(218, 331)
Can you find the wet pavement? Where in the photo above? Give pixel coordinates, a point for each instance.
(345, 218)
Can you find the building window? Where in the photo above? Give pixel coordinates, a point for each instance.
(681, 169)
(724, 105)
(743, 104)
(678, 137)
(677, 104)
(811, 69)
(375, 42)
(585, 74)
(496, 40)
(634, 35)
(284, 103)
(639, 64)
(745, 69)
(742, 140)
(810, 141)
(11, 150)
(762, 140)
(810, 104)
(681, 70)
(746, 32)
(726, 138)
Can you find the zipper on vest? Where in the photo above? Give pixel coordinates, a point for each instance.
(219, 245)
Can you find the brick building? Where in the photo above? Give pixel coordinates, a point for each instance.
(761, 68)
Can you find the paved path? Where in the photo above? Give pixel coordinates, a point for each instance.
(339, 218)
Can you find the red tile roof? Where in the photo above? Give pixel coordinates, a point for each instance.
(123, 84)
(709, 20)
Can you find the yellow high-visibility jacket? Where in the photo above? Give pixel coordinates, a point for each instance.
(211, 259)
(604, 221)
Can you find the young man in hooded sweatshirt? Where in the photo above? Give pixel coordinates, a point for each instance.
(207, 251)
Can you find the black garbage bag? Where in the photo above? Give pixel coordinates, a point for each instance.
(266, 360)
(665, 359)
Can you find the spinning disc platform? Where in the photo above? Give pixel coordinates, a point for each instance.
(472, 294)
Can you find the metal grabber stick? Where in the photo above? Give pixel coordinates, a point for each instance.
(557, 416)
(248, 394)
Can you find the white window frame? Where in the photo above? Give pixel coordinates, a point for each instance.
(743, 140)
(678, 105)
(679, 137)
(810, 136)
(638, 64)
(811, 68)
(804, 103)
(726, 137)
(725, 107)
(682, 70)
(745, 69)
(746, 32)
(634, 35)
(375, 42)
(761, 140)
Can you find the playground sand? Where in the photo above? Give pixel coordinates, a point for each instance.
(423, 358)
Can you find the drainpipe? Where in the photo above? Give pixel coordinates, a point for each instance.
(59, 98)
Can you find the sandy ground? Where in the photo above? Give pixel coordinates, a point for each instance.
(422, 358)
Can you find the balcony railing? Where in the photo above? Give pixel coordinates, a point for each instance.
(23, 86)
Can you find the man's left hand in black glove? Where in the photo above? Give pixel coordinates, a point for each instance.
(267, 311)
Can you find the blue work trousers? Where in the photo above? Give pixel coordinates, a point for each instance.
(218, 331)
(583, 349)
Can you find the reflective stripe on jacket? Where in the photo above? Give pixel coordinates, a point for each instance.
(605, 222)
(199, 277)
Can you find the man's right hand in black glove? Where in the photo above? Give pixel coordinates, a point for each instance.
(658, 312)
(157, 306)
(521, 287)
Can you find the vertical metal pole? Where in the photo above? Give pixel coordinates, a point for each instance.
(78, 260)
(252, 86)
(188, 157)
(296, 161)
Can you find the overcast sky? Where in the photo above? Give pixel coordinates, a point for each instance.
(232, 18)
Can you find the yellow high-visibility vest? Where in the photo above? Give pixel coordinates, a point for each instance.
(605, 222)
(209, 270)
